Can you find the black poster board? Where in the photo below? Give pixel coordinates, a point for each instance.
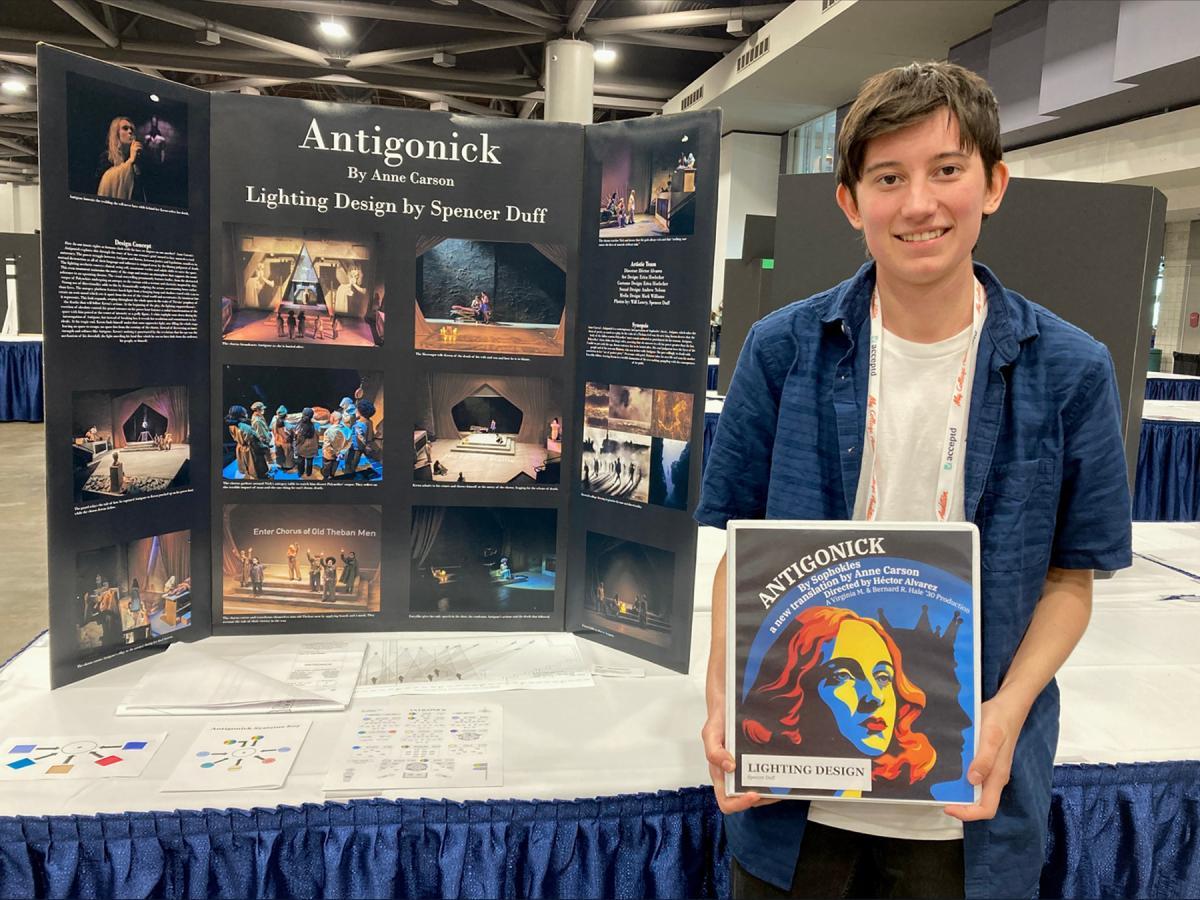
(244, 316)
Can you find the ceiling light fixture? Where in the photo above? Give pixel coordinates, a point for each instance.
(154, 97)
(605, 55)
(333, 29)
(14, 86)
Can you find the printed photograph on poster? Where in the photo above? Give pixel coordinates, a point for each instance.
(297, 424)
(648, 187)
(487, 429)
(856, 651)
(491, 297)
(314, 287)
(469, 561)
(629, 589)
(300, 559)
(636, 444)
(125, 145)
(129, 443)
(131, 593)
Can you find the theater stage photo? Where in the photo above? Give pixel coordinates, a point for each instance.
(480, 560)
(648, 189)
(490, 297)
(286, 592)
(487, 429)
(629, 589)
(129, 443)
(307, 289)
(127, 594)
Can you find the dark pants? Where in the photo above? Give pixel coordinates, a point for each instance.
(837, 863)
(327, 468)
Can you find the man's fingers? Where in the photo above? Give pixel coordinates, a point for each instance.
(713, 737)
(989, 798)
(990, 743)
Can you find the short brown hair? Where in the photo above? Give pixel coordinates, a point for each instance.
(901, 96)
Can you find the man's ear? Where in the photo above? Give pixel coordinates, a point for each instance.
(849, 206)
(995, 191)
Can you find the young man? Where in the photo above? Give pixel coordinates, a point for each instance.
(943, 357)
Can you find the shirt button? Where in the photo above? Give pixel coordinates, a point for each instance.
(851, 450)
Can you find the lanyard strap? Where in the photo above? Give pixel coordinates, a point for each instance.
(952, 443)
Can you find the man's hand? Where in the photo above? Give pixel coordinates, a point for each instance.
(999, 727)
(720, 761)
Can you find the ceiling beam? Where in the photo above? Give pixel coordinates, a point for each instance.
(436, 72)
(9, 109)
(155, 10)
(579, 13)
(636, 89)
(76, 11)
(419, 14)
(291, 72)
(637, 103)
(410, 54)
(675, 41)
(693, 18)
(18, 146)
(29, 128)
(454, 103)
(545, 21)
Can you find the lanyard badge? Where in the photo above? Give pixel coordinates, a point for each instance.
(956, 419)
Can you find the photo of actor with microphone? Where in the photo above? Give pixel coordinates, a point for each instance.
(126, 145)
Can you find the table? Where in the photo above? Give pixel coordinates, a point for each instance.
(1118, 827)
(714, 364)
(21, 379)
(1167, 485)
(1168, 386)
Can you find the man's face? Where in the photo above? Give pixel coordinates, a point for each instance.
(921, 201)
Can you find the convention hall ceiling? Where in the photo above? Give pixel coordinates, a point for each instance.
(482, 57)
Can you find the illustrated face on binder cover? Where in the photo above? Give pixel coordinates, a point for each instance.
(855, 661)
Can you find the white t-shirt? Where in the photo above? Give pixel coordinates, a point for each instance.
(914, 402)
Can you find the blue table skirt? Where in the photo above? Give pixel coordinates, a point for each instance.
(1172, 389)
(1115, 831)
(1168, 473)
(1167, 486)
(21, 381)
(712, 376)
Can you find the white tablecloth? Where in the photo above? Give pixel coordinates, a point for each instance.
(1129, 694)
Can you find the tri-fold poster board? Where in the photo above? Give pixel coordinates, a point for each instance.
(244, 294)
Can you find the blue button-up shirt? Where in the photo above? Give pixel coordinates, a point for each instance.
(1045, 481)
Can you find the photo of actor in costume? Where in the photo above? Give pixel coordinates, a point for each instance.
(126, 145)
(629, 589)
(271, 566)
(636, 444)
(477, 562)
(289, 425)
(127, 594)
(838, 684)
(313, 287)
(487, 429)
(129, 443)
(490, 297)
(648, 188)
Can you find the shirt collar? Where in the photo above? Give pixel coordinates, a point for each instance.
(1009, 321)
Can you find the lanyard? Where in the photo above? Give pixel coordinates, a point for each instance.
(952, 444)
